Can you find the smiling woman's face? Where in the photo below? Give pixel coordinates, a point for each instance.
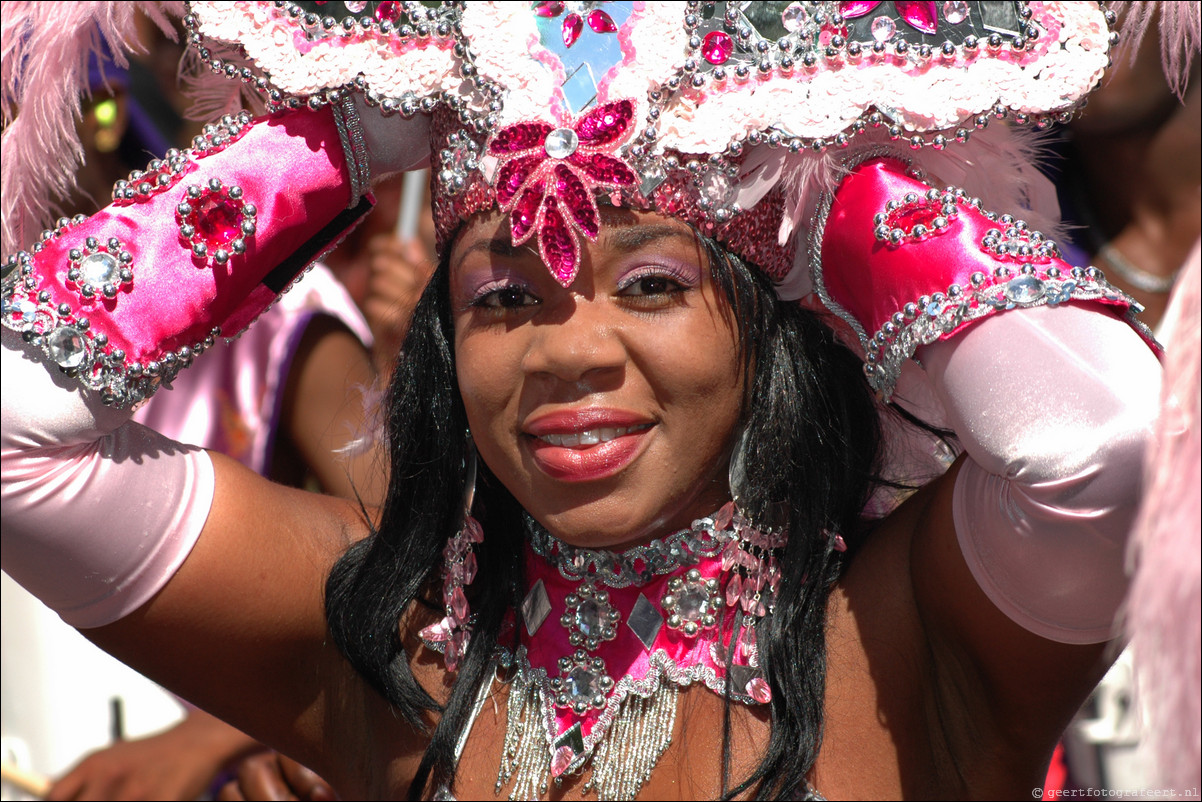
(607, 408)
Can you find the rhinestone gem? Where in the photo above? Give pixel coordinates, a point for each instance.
(66, 347)
(1025, 289)
(388, 11)
(561, 143)
(218, 221)
(583, 684)
(645, 621)
(883, 29)
(20, 313)
(794, 17)
(548, 8)
(601, 22)
(100, 268)
(716, 187)
(717, 47)
(588, 618)
(355, 6)
(693, 602)
(535, 607)
(955, 11)
(573, 25)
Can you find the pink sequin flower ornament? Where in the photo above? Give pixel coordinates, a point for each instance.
(573, 24)
(547, 176)
(921, 16)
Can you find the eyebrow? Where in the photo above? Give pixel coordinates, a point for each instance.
(499, 245)
(632, 237)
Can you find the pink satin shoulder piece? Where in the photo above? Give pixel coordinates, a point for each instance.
(905, 263)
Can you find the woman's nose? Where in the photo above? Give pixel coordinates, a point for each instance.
(577, 339)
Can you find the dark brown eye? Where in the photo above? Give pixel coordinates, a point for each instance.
(651, 285)
(513, 296)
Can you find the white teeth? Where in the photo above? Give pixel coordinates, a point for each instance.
(589, 437)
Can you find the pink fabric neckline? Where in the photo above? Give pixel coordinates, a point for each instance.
(548, 658)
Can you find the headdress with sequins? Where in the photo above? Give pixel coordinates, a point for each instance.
(737, 118)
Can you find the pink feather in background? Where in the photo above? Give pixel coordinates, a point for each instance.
(1164, 613)
(44, 51)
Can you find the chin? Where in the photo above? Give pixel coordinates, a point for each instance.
(616, 523)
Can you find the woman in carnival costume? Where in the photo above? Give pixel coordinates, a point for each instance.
(649, 530)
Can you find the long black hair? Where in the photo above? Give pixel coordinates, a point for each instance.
(811, 463)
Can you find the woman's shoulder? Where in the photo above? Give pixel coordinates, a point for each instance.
(915, 643)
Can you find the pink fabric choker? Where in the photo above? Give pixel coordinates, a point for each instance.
(605, 640)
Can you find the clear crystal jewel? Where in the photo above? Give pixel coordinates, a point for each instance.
(355, 6)
(561, 143)
(883, 29)
(66, 347)
(716, 187)
(1024, 289)
(100, 268)
(794, 17)
(693, 603)
(588, 618)
(955, 11)
(583, 684)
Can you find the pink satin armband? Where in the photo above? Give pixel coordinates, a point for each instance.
(195, 247)
(906, 264)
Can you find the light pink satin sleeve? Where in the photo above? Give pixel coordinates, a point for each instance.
(98, 512)
(1054, 406)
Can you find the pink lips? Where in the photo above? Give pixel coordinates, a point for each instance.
(585, 444)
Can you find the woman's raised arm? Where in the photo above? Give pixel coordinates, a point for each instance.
(188, 566)
(1014, 562)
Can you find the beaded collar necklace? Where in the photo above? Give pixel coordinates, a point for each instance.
(605, 641)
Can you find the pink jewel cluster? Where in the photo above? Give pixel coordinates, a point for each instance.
(750, 557)
(922, 16)
(552, 195)
(459, 569)
(573, 23)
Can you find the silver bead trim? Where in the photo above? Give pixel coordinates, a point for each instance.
(662, 669)
(636, 566)
(354, 147)
(942, 313)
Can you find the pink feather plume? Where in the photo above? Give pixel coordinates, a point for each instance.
(1164, 613)
(1180, 28)
(44, 50)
